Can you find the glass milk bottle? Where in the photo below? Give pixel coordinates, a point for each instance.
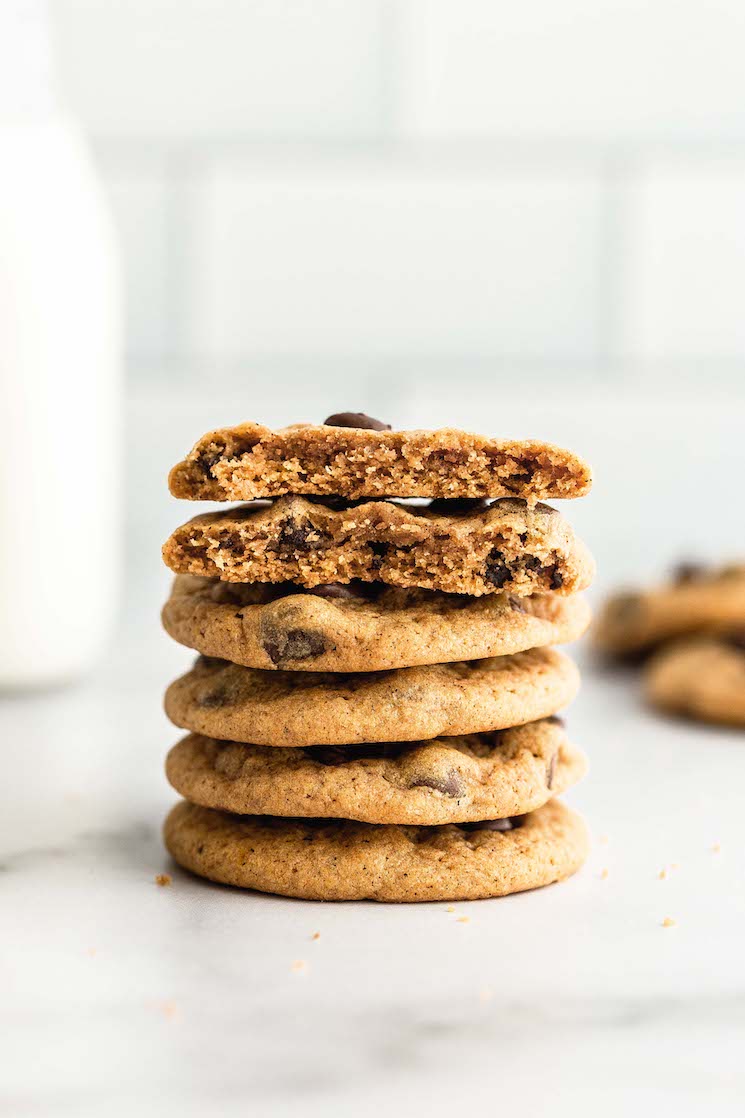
(59, 376)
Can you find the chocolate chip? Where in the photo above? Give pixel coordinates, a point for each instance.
(379, 550)
(296, 535)
(450, 785)
(458, 506)
(283, 645)
(551, 770)
(532, 563)
(688, 572)
(356, 419)
(556, 578)
(493, 824)
(556, 719)
(496, 571)
(205, 462)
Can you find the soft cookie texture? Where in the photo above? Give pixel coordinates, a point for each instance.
(230, 702)
(447, 780)
(503, 546)
(342, 860)
(697, 600)
(357, 457)
(702, 678)
(360, 627)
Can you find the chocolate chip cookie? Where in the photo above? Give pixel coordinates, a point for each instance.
(702, 678)
(234, 703)
(360, 627)
(445, 780)
(342, 860)
(695, 600)
(351, 455)
(505, 546)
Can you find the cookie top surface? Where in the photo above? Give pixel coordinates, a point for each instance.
(694, 600)
(702, 678)
(502, 546)
(342, 860)
(360, 627)
(234, 703)
(447, 780)
(248, 461)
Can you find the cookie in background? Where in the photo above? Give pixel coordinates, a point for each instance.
(688, 636)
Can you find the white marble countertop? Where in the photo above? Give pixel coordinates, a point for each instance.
(120, 997)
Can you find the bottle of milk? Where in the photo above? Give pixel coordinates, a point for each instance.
(59, 376)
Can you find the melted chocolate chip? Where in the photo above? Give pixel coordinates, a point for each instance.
(551, 770)
(292, 644)
(493, 824)
(458, 506)
(356, 419)
(556, 578)
(379, 550)
(296, 535)
(205, 462)
(450, 785)
(496, 571)
(342, 754)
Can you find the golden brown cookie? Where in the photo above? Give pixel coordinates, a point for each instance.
(505, 546)
(357, 457)
(360, 627)
(448, 780)
(340, 860)
(695, 600)
(222, 700)
(702, 678)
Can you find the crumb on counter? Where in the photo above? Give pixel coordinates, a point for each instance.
(604, 874)
(163, 879)
(662, 874)
(463, 920)
(316, 935)
(450, 908)
(604, 840)
(299, 966)
(716, 848)
(668, 922)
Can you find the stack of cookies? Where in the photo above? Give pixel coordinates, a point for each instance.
(373, 711)
(689, 636)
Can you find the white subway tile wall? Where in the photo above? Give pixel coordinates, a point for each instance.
(421, 184)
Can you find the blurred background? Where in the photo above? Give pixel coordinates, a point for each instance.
(527, 219)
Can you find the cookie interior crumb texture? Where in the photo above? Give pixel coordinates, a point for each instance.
(248, 461)
(506, 546)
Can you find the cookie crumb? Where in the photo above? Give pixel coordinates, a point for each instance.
(299, 966)
(604, 874)
(316, 935)
(716, 848)
(668, 922)
(463, 920)
(450, 908)
(662, 874)
(91, 951)
(163, 879)
(604, 840)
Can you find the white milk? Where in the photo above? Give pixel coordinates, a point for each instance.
(60, 407)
